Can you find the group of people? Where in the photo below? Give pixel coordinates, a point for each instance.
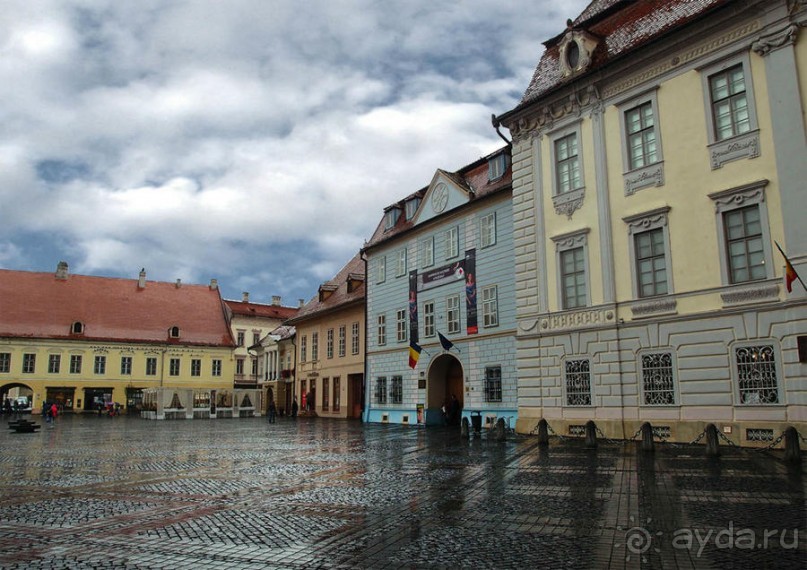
(50, 411)
(271, 409)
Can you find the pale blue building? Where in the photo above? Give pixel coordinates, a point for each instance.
(441, 264)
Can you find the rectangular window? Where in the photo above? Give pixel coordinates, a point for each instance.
(342, 340)
(757, 379)
(487, 230)
(497, 167)
(651, 263)
(400, 265)
(641, 136)
(412, 206)
(381, 329)
(391, 217)
(381, 269)
(573, 278)
(303, 348)
(381, 390)
(215, 367)
(256, 338)
(326, 394)
(28, 363)
(490, 306)
(239, 366)
(75, 364)
(453, 314)
(452, 242)
(151, 366)
(746, 254)
(196, 367)
(173, 367)
(126, 365)
(428, 319)
(578, 383)
(315, 346)
(100, 365)
(241, 335)
(400, 325)
(54, 363)
(254, 367)
(396, 390)
(5, 362)
(329, 343)
(658, 382)
(567, 164)
(493, 383)
(729, 103)
(354, 338)
(337, 393)
(427, 252)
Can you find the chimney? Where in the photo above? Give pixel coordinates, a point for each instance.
(141, 281)
(301, 302)
(179, 283)
(214, 284)
(61, 270)
(276, 300)
(245, 298)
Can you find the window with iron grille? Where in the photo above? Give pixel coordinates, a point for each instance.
(757, 379)
(493, 383)
(54, 363)
(75, 364)
(658, 379)
(578, 382)
(100, 365)
(381, 390)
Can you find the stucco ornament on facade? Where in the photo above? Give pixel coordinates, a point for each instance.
(775, 40)
(546, 116)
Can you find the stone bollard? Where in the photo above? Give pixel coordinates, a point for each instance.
(712, 441)
(498, 431)
(647, 438)
(465, 428)
(792, 450)
(543, 432)
(591, 434)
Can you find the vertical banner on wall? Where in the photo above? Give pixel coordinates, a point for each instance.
(470, 291)
(413, 306)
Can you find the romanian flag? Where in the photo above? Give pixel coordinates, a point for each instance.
(790, 272)
(414, 353)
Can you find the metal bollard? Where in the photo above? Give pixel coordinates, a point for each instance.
(591, 434)
(712, 441)
(792, 450)
(543, 432)
(647, 438)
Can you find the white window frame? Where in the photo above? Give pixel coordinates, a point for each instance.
(355, 338)
(400, 325)
(645, 377)
(453, 316)
(151, 366)
(381, 329)
(99, 365)
(400, 262)
(493, 383)
(381, 269)
(647, 221)
(567, 202)
(651, 174)
(745, 401)
(733, 199)
(342, 347)
(452, 242)
(490, 306)
(380, 394)
(564, 243)
(487, 230)
(412, 206)
(329, 343)
(304, 348)
(126, 365)
(215, 367)
(745, 145)
(428, 319)
(314, 346)
(427, 252)
(396, 390)
(567, 394)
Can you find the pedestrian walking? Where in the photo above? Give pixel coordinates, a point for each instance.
(294, 408)
(52, 413)
(272, 411)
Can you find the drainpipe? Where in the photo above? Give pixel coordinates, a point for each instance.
(365, 406)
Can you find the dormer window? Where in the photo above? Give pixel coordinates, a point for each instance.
(391, 217)
(497, 166)
(173, 332)
(576, 51)
(412, 206)
(77, 328)
(354, 281)
(326, 290)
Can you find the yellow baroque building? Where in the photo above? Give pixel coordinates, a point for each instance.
(659, 163)
(88, 343)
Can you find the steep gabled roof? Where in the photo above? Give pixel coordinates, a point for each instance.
(346, 289)
(259, 310)
(621, 27)
(42, 306)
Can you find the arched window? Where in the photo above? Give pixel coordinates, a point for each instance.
(77, 328)
(174, 332)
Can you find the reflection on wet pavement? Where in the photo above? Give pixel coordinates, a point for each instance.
(128, 493)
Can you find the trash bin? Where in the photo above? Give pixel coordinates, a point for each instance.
(476, 421)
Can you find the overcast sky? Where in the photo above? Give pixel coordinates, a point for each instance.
(252, 141)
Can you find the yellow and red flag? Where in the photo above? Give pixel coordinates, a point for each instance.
(790, 272)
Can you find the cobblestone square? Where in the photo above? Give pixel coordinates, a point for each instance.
(99, 492)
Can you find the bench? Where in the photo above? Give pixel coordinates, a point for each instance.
(23, 426)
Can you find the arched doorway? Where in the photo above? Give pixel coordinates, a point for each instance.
(446, 379)
(16, 396)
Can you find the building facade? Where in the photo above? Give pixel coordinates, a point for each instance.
(88, 343)
(330, 346)
(659, 161)
(251, 322)
(277, 356)
(440, 279)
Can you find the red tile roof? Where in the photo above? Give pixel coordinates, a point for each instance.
(339, 297)
(622, 27)
(41, 306)
(259, 310)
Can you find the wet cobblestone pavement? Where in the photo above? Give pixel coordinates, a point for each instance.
(122, 492)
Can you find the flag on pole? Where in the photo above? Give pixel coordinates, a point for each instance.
(447, 344)
(414, 353)
(790, 272)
